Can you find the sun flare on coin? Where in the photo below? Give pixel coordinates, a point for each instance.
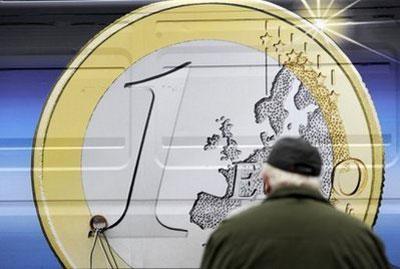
(327, 17)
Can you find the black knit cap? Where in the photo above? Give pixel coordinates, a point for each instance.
(295, 155)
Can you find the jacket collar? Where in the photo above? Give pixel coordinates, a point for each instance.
(299, 192)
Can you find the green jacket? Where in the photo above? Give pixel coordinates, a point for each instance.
(293, 228)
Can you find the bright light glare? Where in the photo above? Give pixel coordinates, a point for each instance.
(324, 23)
(320, 23)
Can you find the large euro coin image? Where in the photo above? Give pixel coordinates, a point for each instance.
(160, 125)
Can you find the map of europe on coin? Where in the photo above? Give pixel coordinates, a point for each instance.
(291, 110)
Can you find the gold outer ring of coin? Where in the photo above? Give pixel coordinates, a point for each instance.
(309, 53)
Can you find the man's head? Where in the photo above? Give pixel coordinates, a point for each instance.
(292, 162)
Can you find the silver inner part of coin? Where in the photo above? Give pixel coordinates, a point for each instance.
(212, 125)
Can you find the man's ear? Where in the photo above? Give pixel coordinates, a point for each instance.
(267, 185)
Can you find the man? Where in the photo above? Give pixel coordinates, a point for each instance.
(295, 227)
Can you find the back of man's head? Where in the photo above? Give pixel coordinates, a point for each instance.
(292, 162)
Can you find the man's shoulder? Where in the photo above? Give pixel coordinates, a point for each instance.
(347, 221)
(243, 209)
(248, 215)
(271, 213)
